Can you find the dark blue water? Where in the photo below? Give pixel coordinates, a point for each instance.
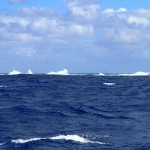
(41, 112)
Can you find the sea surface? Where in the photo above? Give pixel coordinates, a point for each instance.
(74, 112)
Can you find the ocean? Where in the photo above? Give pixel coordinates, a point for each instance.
(74, 112)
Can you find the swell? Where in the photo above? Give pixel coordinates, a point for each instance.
(100, 113)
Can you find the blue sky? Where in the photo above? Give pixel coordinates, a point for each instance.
(79, 35)
(129, 4)
(55, 4)
(60, 6)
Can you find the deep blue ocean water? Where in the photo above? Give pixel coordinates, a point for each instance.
(43, 112)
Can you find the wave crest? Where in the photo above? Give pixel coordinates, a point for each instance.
(2, 144)
(139, 73)
(14, 72)
(101, 74)
(75, 138)
(109, 84)
(61, 72)
(29, 72)
(21, 141)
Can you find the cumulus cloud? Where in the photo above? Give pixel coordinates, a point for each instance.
(83, 35)
(138, 21)
(111, 10)
(82, 8)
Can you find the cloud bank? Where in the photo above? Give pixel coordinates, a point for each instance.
(85, 35)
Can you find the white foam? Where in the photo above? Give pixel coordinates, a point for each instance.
(101, 74)
(29, 72)
(21, 141)
(1, 86)
(2, 143)
(14, 72)
(139, 73)
(109, 84)
(61, 72)
(75, 138)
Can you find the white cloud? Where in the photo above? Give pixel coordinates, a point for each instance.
(139, 21)
(111, 10)
(81, 29)
(27, 37)
(44, 23)
(8, 20)
(86, 35)
(123, 36)
(82, 8)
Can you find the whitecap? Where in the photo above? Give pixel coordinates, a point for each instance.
(109, 84)
(75, 138)
(22, 141)
(29, 72)
(61, 72)
(101, 74)
(14, 72)
(2, 143)
(139, 73)
(1, 86)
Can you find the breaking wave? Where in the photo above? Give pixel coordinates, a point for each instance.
(75, 138)
(30, 72)
(2, 144)
(139, 73)
(109, 84)
(14, 72)
(61, 72)
(101, 74)
(21, 141)
(65, 72)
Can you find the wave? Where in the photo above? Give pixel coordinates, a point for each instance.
(78, 74)
(139, 73)
(75, 138)
(61, 72)
(109, 84)
(29, 72)
(1, 86)
(22, 141)
(2, 143)
(14, 72)
(65, 72)
(101, 74)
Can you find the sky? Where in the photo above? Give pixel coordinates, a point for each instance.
(83, 36)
